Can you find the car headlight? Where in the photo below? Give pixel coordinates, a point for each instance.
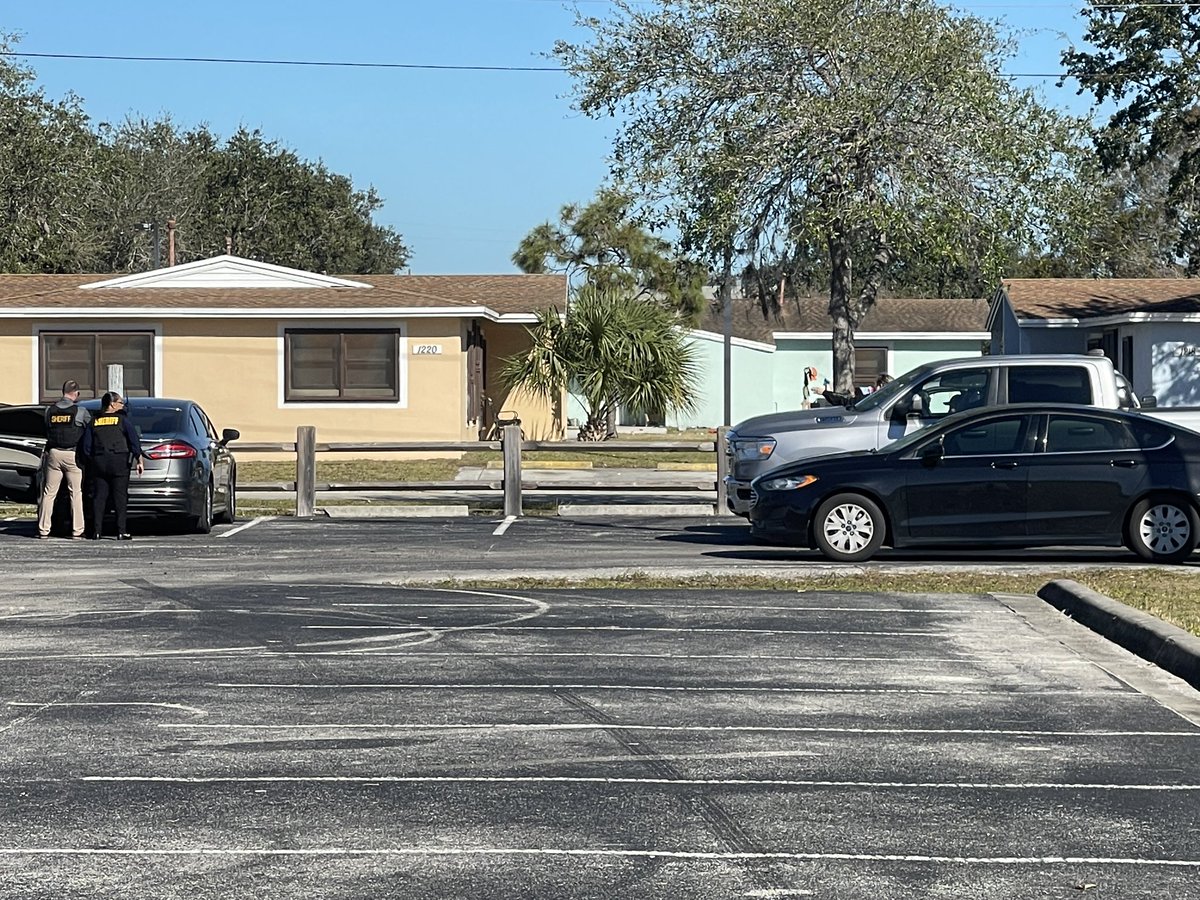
(754, 448)
(787, 483)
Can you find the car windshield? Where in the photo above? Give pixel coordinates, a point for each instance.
(890, 391)
(155, 421)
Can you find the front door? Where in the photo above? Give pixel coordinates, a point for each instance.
(977, 490)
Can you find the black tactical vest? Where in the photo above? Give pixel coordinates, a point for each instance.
(108, 436)
(61, 431)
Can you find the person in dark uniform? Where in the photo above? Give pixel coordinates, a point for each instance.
(66, 421)
(108, 444)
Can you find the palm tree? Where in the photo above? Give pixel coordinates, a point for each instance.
(609, 350)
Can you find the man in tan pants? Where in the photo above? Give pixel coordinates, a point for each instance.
(65, 423)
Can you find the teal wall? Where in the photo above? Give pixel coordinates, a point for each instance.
(767, 381)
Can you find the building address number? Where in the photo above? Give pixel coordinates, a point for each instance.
(426, 349)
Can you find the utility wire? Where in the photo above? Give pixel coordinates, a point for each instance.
(335, 64)
(281, 62)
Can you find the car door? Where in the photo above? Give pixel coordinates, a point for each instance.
(22, 439)
(1085, 476)
(219, 457)
(972, 490)
(939, 395)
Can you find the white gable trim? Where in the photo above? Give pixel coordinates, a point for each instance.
(887, 335)
(92, 313)
(224, 271)
(701, 335)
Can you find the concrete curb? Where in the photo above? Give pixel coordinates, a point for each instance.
(1168, 647)
(584, 510)
(394, 512)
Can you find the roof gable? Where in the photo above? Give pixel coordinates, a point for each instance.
(224, 271)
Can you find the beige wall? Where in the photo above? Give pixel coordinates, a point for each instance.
(540, 421)
(233, 367)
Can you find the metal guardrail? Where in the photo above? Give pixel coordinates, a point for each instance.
(511, 445)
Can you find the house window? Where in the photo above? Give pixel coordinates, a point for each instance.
(869, 364)
(341, 366)
(85, 357)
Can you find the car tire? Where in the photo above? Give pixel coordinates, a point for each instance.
(1163, 529)
(204, 521)
(849, 528)
(229, 515)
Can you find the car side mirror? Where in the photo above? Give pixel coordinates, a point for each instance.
(916, 406)
(1148, 402)
(932, 455)
(229, 434)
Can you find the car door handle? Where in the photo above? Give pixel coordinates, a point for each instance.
(1006, 464)
(1124, 463)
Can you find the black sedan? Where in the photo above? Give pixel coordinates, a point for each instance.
(1016, 476)
(190, 473)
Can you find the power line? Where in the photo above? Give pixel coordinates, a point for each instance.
(333, 64)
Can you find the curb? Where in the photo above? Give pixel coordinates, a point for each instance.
(1168, 647)
(394, 512)
(584, 510)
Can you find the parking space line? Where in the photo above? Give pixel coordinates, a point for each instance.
(651, 628)
(696, 689)
(603, 852)
(643, 782)
(242, 528)
(688, 729)
(503, 527)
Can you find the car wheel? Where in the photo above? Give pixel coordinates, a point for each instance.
(1163, 530)
(849, 528)
(204, 521)
(229, 515)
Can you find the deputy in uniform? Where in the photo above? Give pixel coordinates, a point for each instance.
(66, 421)
(108, 446)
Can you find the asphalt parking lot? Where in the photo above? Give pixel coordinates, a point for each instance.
(279, 710)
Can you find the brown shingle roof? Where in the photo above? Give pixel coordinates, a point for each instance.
(501, 293)
(890, 314)
(1081, 298)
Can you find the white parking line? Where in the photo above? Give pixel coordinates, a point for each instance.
(604, 852)
(698, 689)
(242, 528)
(593, 726)
(655, 782)
(503, 527)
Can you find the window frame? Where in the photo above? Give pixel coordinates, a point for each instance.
(291, 399)
(98, 375)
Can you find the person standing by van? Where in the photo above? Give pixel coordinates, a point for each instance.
(66, 422)
(108, 445)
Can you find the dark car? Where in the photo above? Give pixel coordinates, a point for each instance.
(190, 472)
(1015, 476)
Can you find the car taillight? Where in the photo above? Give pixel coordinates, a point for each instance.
(172, 450)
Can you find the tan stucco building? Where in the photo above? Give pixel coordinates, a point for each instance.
(265, 348)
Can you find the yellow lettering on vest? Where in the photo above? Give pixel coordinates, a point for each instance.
(57, 419)
(108, 420)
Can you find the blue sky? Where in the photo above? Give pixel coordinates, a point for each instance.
(467, 162)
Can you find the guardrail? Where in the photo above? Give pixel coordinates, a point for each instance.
(511, 445)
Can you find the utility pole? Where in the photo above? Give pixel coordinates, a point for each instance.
(155, 250)
(727, 308)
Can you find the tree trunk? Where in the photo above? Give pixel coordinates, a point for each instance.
(840, 300)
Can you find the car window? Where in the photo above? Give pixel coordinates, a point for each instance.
(1049, 384)
(995, 436)
(1149, 434)
(954, 391)
(209, 428)
(1080, 434)
(197, 422)
(155, 421)
(30, 423)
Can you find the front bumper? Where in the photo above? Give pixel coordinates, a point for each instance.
(738, 496)
(779, 522)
